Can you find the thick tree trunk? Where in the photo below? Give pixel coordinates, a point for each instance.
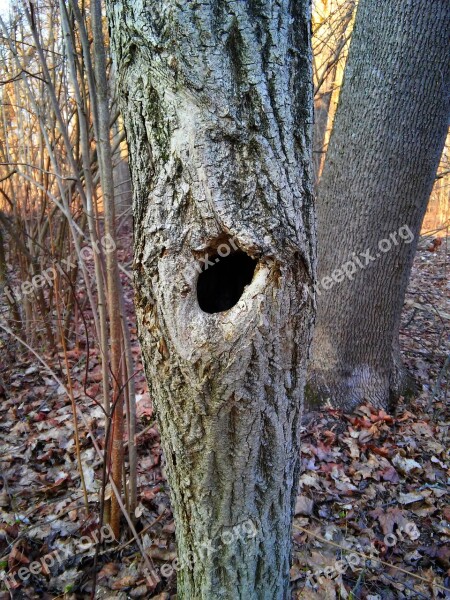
(388, 135)
(217, 103)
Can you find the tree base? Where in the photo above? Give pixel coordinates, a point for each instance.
(350, 388)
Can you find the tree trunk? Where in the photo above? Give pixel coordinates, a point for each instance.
(217, 105)
(388, 135)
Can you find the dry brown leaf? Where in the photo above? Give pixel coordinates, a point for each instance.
(303, 506)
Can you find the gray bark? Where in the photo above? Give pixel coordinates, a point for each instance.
(388, 135)
(217, 105)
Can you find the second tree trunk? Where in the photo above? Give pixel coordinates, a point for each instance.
(387, 139)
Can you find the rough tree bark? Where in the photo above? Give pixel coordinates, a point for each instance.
(217, 103)
(388, 135)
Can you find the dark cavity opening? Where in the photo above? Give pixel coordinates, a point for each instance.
(220, 285)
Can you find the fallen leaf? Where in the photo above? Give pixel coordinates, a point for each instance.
(303, 506)
(410, 497)
(406, 466)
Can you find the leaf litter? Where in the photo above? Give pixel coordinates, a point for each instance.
(373, 491)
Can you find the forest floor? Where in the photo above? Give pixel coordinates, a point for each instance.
(372, 516)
